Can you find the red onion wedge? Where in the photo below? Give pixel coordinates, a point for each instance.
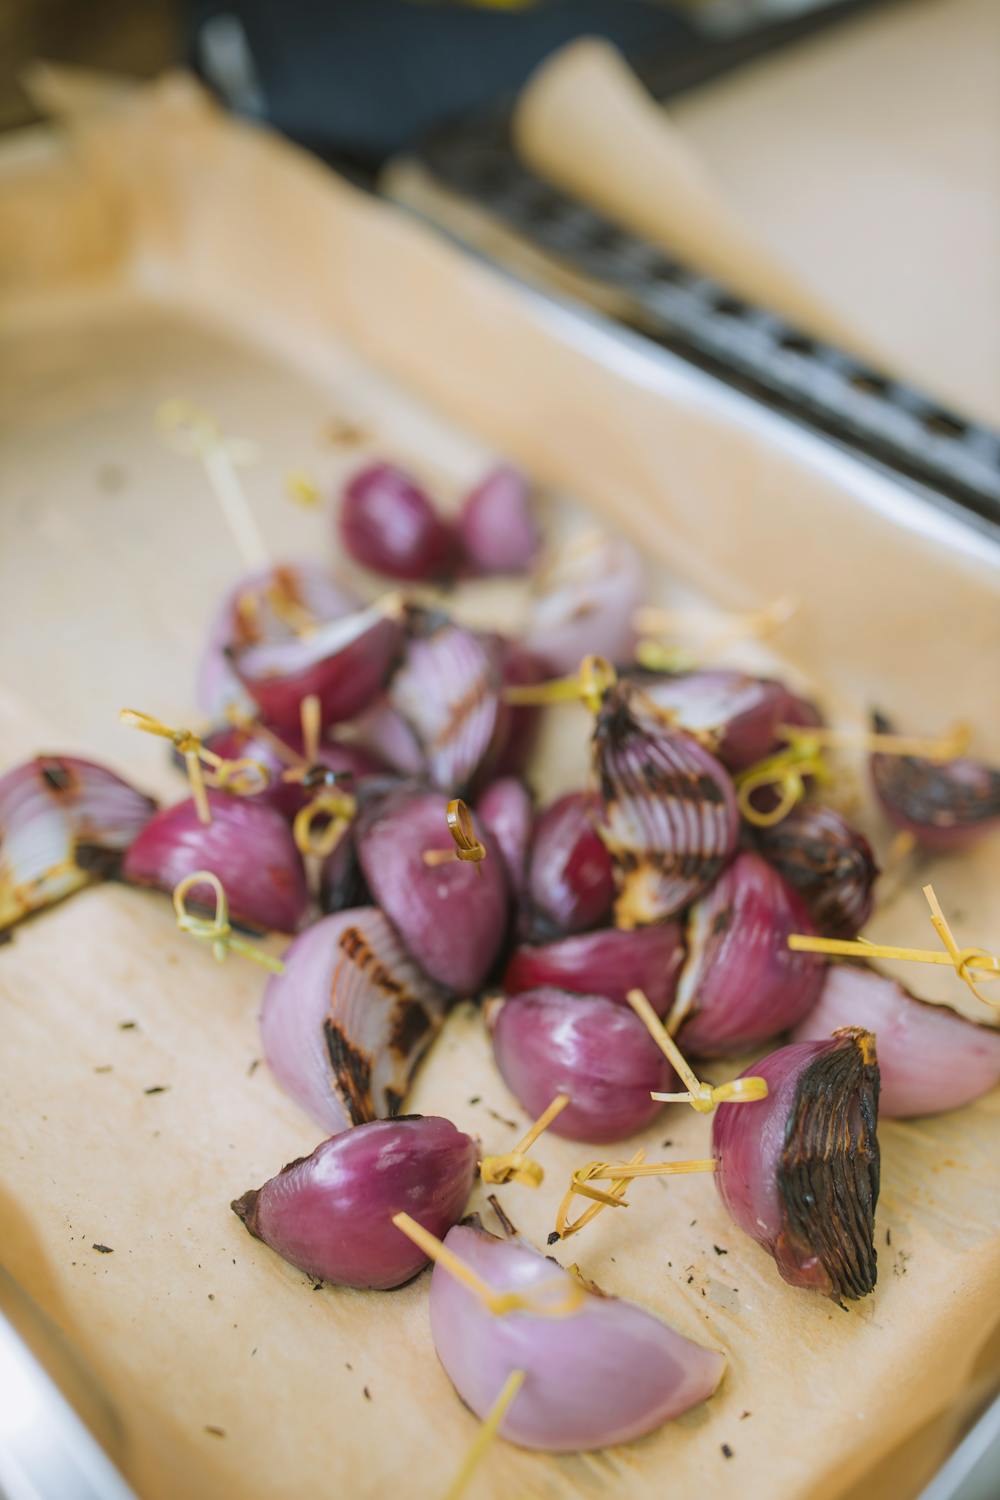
(496, 526)
(349, 1019)
(64, 823)
(741, 984)
(570, 876)
(505, 811)
(269, 605)
(604, 1373)
(586, 609)
(607, 962)
(330, 1213)
(930, 1058)
(451, 917)
(799, 1170)
(945, 805)
(547, 1042)
(669, 819)
(735, 714)
(447, 689)
(520, 668)
(247, 845)
(383, 732)
(343, 663)
(829, 863)
(388, 524)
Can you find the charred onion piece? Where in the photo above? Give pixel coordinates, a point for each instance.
(607, 962)
(829, 863)
(799, 1170)
(604, 1373)
(248, 846)
(570, 876)
(944, 804)
(64, 823)
(930, 1058)
(330, 1213)
(669, 810)
(741, 984)
(735, 714)
(347, 1022)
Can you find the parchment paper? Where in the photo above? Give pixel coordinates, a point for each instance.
(167, 252)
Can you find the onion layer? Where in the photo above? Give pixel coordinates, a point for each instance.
(738, 714)
(742, 984)
(64, 823)
(330, 1213)
(570, 877)
(247, 845)
(670, 817)
(799, 1170)
(588, 604)
(829, 863)
(930, 1058)
(345, 1025)
(945, 805)
(496, 526)
(604, 1374)
(452, 917)
(607, 962)
(549, 1042)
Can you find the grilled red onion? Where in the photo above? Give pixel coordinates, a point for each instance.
(343, 663)
(608, 962)
(799, 1170)
(549, 1042)
(517, 745)
(829, 863)
(448, 691)
(605, 1373)
(330, 1213)
(262, 607)
(588, 605)
(741, 984)
(945, 804)
(451, 917)
(570, 877)
(930, 1058)
(505, 811)
(738, 714)
(64, 823)
(670, 818)
(247, 845)
(255, 743)
(383, 732)
(349, 1019)
(388, 524)
(496, 526)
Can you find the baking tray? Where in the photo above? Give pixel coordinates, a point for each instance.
(156, 249)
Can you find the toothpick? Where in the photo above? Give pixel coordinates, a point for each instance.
(485, 1435)
(702, 1097)
(467, 848)
(589, 685)
(302, 488)
(514, 1166)
(217, 930)
(613, 1199)
(619, 1174)
(943, 747)
(310, 711)
(193, 431)
(190, 747)
(785, 771)
(497, 1303)
(758, 623)
(338, 807)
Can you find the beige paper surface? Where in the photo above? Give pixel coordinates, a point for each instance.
(229, 269)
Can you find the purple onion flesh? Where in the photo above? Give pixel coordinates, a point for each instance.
(505, 810)
(330, 1213)
(608, 962)
(570, 877)
(388, 524)
(496, 525)
(586, 609)
(945, 805)
(605, 1374)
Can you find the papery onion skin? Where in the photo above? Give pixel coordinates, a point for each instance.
(64, 823)
(570, 877)
(347, 1022)
(330, 1213)
(249, 847)
(588, 610)
(549, 1042)
(742, 985)
(737, 714)
(452, 917)
(343, 663)
(387, 523)
(608, 962)
(351, 762)
(605, 1374)
(799, 1170)
(829, 863)
(496, 525)
(303, 584)
(447, 688)
(946, 806)
(930, 1058)
(505, 810)
(669, 813)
